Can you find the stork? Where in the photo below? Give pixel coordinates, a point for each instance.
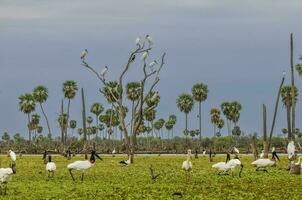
(50, 166)
(83, 165)
(84, 54)
(12, 156)
(291, 150)
(262, 164)
(187, 164)
(228, 165)
(6, 176)
(113, 152)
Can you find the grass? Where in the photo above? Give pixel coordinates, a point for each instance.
(109, 180)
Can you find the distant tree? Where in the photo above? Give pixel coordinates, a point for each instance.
(70, 89)
(97, 109)
(5, 137)
(40, 94)
(200, 93)
(27, 105)
(287, 99)
(185, 104)
(72, 125)
(215, 118)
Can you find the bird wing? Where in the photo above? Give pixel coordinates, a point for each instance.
(236, 150)
(51, 166)
(291, 149)
(79, 165)
(13, 156)
(219, 165)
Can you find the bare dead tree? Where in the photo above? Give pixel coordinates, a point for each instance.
(119, 100)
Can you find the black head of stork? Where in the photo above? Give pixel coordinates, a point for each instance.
(93, 155)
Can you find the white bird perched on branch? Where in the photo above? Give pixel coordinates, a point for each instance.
(262, 164)
(149, 40)
(84, 54)
(154, 96)
(145, 55)
(83, 165)
(12, 155)
(187, 164)
(152, 65)
(50, 166)
(138, 40)
(6, 175)
(104, 72)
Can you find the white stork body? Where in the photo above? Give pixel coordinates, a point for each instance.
(224, 167)
(263, 163)
(6, 174)
(12, 155)
(83, 165)
(80, 165)
(187, 164)
(50, 166)
(126, 162)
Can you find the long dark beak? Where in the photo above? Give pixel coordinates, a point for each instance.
(241, 170)
(96, 155)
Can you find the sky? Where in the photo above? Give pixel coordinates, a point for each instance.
(238, 48)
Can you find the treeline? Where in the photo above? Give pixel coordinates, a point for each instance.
(145, 144)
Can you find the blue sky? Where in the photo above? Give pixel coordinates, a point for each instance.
(238, 49)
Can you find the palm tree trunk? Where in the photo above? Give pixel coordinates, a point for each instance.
(199, 123)
(47, 122)
(66, 128)
(265, 144)
(228, 126)
(84, 122)
(97, 126)
(186, 130)
(29, 132)
(293, 128)
(288, 109)
(131, 126)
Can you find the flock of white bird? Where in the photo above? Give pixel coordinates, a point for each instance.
(140, 44)
(223, 168)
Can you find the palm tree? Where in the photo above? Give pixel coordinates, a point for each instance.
(185, 104)
(70, 89)
(200, 93)
(27, 105)
(235, 111)
(173, 120)
(62, 120)
(40, 94)
(286, 95)
(215, 117)
(220, 125)
(169, 125)
(97, 109)
(133, 91)
(226, 110)
(72, 125)
(80, 131)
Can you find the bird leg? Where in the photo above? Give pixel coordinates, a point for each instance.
(82, 176)
(71, 175)
(53, 173)
(5, 188)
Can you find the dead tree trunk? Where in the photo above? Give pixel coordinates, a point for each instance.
(265, 143)
(84, 123)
